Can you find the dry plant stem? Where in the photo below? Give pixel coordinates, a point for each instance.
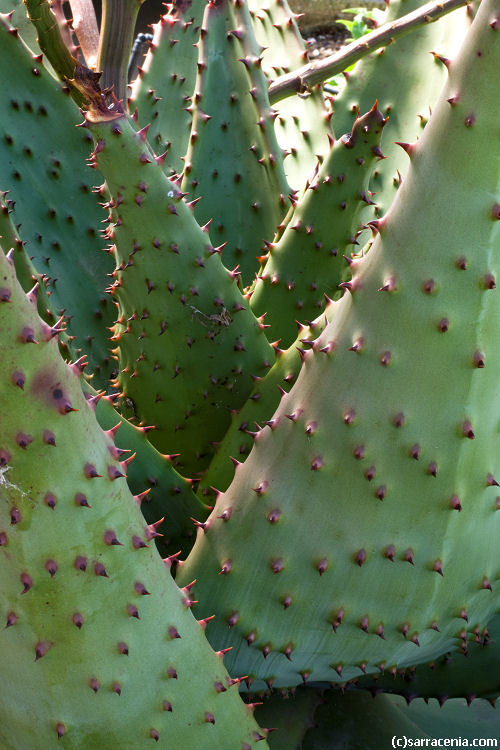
(301, 80)
(64, 24)
(115, 44)
(85, 27)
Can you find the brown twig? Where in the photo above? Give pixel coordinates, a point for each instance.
(300, 81)
(86, 30)
(64, 25)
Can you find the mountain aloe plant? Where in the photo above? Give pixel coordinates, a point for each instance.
(249, 453)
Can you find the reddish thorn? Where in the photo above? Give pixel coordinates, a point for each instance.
(77, 620)
(81, 500)
(455, 503)
(226, 567)
(110, 538)
(360, 557)
(51, 567)
(408, 556)
(389, 552)
(12, 618)
(115, 473)
(203, 623)
(467, 430)
(439, 58)
(81, 563)
(27, 582)
(408, 147)
(438, 567)
(90, 471)
(100, 570)
(150, 531)
(41, 648)
(277, 565)
(132, 611)
(139, 498)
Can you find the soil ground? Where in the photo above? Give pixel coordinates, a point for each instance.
(325, 41)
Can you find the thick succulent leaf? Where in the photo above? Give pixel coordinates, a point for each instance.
(372, 499)
(164, 86)
(42, 166)
(302, 122)
(407, 80)
(308, 260)
(21, 21)
(359, 722)
(257, 411)
(311, 719)
(169, 495)
(233, 163)
(290, 716)
(456, 720)
(475, 674)
(25, 270)
(99, 648)
(187, 344)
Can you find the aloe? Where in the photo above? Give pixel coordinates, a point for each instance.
(249, 457)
